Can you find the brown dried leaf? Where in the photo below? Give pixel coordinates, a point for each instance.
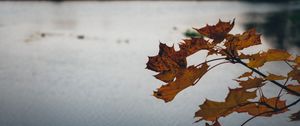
(294, 87)
(259, 59)
(212, 110)
(255, 109)
(275, 77)
(246, 74)
(251, 83)
(218, 31)
(239, 42)
(185, 78)
(295, 75)
(193, 45)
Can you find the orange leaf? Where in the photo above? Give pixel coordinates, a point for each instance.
(246, 74)
(255, 109)
(259, 59)
(251, 83)
(277, 55)
(218, 31)
(294, 87)
(193, 45)
(275, 77)
(160, 64)
(167, 76)
(212, 110)
(185, 78)
(239, 42)
(295, 75)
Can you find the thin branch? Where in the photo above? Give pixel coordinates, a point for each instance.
(255, 117)
(278, 96)
(292, 104)
(263, 75)
(211, 68)
(289, 64)
(222, 58)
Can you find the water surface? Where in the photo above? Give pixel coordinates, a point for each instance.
(82, 63)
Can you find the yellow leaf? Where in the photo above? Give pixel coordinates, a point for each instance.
(259, 59)
(276, 55)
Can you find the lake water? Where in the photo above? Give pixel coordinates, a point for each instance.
(83, 63)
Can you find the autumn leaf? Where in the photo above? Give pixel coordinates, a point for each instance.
(193, 45)
(160, 64)
(259, 59)
(295, 75)
(171, 67)
(294, 87)
(218, 31)
(212, 110)
(167, 76)
(246, 74)
(185, 78)
(239, 42)
(251, 83)
(255, 109)
(295, 116)
(275, 77)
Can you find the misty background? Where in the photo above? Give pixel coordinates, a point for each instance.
(83, 63)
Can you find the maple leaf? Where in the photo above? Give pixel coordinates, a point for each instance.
(218, 31)
(185, 78)
(212, 110)
(295, 116)
(246, 74)
(172, 69)
(275, 77)
(190, 46)
(251, 83)
(295, 75)
(259, 59)
(294, 87)
(255, 109)
(239, 42)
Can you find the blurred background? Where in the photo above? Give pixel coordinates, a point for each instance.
(82, 63)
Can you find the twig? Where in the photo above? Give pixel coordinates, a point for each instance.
(278, 96)
(294, 103)
(263, 75)
(223, 58)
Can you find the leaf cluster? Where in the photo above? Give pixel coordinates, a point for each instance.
(172, 69)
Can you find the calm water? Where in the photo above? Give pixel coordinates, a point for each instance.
(82, 63)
